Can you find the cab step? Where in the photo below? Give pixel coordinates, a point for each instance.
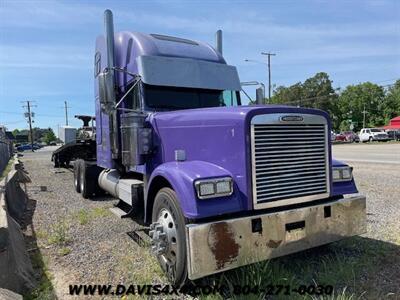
(122, 210)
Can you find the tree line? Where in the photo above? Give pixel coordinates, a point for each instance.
(346, 107)
(44, 135)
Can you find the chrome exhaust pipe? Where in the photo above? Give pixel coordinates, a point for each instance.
(109, 35)
(218, 41)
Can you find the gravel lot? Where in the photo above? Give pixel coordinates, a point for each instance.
(81, 242)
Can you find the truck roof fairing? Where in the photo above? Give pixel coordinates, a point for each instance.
(187, 72)
(130, 45)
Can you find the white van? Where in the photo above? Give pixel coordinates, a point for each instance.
(373, 134)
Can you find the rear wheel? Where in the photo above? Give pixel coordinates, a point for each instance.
(56, 161)
(86, 183)
(77, 175)
(168, 236)
(88, 179)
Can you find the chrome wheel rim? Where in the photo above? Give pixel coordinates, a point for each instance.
(164, 240)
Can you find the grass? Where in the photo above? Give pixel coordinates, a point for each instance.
(7, 169)
(64, 251)
(85, 216)
(140, 266)
(44, 289)
(347, 266)
(58, 234)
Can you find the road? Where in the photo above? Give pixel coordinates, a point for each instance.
(380, 153)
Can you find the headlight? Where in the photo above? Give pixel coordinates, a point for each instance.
(212, 188)
(342, 174)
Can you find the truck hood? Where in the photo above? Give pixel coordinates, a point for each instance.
(220, 136)
(224, 115)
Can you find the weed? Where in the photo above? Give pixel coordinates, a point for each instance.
(83, 216)
(64, 251)
(7, 169)
(58, 234)
(44, 290)
(99, 212)
(41, 234)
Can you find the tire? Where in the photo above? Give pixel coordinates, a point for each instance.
(56, 161)
(166, 209)
(89, 175)
(370, 139)
(77, 175)
(85, 182)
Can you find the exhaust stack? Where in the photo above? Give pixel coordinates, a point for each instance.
(109, 33)
(218, 41)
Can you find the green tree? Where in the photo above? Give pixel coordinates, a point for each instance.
(316, 92)
(391, 105)
(15, 132)
(49, 136)
(354, 99)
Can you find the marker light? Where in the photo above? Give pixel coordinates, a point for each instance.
(342, 174)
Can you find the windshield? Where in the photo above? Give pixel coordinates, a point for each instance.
(174, 98)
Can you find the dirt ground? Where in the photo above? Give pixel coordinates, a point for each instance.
(78, 241)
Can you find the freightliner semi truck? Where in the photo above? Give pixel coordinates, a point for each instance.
(220, 184)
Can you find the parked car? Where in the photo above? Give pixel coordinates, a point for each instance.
(373, 134)
(340, 137)
(351, 136)
(394, 134)
(27, 147)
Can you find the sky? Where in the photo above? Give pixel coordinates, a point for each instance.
(47, 47)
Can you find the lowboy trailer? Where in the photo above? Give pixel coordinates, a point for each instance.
(220, 184)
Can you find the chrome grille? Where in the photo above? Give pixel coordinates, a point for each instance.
(290, 163)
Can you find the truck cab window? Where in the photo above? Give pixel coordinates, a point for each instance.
(174, 98)
(229, 98)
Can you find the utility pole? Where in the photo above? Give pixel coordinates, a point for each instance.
(29, 114)
(269, 72)
(66, 113)
(364, 112)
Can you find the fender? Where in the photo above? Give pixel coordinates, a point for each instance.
(182, 175)
(343, 187)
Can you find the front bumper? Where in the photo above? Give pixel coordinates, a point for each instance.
(219, 246)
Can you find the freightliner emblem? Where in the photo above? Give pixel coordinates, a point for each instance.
(291, 119)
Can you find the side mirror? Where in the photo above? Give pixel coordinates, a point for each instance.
(259, 96)
(106, 90)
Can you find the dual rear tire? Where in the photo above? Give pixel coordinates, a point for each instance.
(86, 178)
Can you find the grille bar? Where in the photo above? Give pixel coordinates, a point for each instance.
(290, 163)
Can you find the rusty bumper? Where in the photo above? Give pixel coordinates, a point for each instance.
(223, 245)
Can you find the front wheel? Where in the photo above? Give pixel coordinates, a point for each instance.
(168, 236)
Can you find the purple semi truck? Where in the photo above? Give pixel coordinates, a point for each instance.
(221, 185)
